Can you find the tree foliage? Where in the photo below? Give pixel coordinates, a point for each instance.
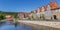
(2, 17)
(2, 14)
(33, 16)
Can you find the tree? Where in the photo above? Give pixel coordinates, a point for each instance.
(2, 17)
(15, 16)
(32, 16)
(15, 24)
(43, 17)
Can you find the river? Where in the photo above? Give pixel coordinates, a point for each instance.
(5, 26)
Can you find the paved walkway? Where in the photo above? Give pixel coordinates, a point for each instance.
(44, 23)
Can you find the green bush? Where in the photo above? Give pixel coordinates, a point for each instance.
(15, 16)
(2, 17)
(32, 16)
(43, 17)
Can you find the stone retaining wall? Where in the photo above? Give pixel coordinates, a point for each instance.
(40, 27)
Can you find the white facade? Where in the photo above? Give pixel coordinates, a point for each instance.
(57, 13)
(48, 14)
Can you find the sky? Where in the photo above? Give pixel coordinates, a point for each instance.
(23, 5)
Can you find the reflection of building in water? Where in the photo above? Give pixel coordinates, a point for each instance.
(10, 19)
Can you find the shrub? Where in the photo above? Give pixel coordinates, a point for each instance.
(2, 17)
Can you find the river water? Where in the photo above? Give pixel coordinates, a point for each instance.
(5, 26)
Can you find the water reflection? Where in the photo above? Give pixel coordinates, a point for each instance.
(5, 26)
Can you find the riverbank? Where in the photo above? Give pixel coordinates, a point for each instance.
(42, 25)
(2, 20)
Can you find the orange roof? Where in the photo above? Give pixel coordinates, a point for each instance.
(45, 7)
(8, 16)
(40, 9)
(53, 5)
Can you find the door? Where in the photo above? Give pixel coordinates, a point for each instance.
(54, 16)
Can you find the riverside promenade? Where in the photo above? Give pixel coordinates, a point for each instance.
(42, 25)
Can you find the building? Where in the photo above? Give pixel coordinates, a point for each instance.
(21, 15)
(50, 11)
(56, 13)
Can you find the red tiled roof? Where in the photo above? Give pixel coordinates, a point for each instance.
(40, 9)
(53, 5)
(45, 7)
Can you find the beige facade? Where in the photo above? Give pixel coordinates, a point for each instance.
(21, 15)
(38, 11)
